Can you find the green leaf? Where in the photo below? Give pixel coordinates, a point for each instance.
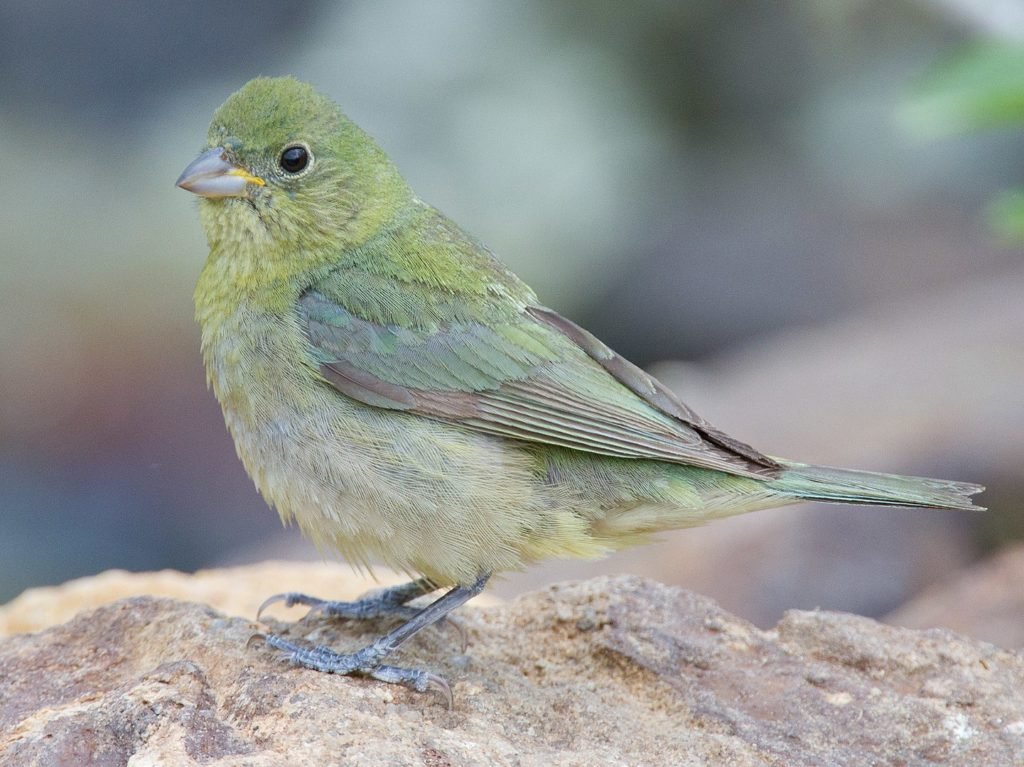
(1005, 216)
(980, 87)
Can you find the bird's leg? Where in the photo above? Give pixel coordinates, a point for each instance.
(367, 661)
(387, 602)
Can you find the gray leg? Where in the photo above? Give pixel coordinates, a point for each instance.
(387, 602)
(367, 661)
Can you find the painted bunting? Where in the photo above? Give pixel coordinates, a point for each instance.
(404, 397)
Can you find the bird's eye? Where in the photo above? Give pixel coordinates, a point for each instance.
(294, 159)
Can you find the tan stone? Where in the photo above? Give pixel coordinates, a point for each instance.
(231, 590)
(612, 671)
(985, 602)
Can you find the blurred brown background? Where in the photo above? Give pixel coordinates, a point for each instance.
(727, 183)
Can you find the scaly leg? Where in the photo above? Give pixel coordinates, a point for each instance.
(387, 602)
(367, 661)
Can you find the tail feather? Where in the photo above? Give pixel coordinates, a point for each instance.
(824, 483)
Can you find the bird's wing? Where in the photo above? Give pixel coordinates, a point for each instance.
(535, 377)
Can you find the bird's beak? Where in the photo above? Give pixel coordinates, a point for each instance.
(211, 175)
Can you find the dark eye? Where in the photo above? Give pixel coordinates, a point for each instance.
(294, 159)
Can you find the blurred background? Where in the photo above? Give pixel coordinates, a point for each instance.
(801, 213)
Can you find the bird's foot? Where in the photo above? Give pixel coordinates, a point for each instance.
(367, 661)
(364, 662)
(386, 602)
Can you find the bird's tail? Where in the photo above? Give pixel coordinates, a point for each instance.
(823, 483)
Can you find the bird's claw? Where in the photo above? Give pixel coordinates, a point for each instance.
(414, 679)
(376, 605)
(459, 629)
(257, 637)
(362, 662)
(290, 599)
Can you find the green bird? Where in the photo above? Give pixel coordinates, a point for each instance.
(402, 396)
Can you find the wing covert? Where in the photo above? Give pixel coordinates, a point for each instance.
(532, 376)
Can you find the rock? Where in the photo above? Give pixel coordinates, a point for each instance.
(986, 602)
(233, 590)
(615, 670)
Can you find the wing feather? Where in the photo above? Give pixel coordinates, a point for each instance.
(534, 376)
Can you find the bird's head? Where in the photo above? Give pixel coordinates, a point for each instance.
(285, 170)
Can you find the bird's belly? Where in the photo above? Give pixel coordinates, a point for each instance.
(419, 495)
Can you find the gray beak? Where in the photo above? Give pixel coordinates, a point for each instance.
(211, 175)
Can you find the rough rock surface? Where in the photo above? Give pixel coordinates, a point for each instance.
(232, 590)
(616, 670)
(986, 602)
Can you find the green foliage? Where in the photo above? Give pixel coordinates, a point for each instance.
(980, 88)
(1006, 215)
